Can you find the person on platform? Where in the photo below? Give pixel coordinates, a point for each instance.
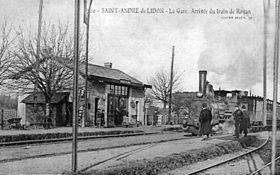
(245, 122)
(102, 116)
(205, 118)
(238, 116)
(98, 118)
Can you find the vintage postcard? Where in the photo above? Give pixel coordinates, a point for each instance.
(139, 86)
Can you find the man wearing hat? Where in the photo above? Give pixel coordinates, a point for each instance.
(245, 122)
(205, 118)
(238, 116)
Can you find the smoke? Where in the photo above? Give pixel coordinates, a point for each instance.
(224, 128)
(228, 127)
(234, 54)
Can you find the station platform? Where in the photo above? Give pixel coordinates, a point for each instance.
(14, 135)
(85, 129)
(150, 158)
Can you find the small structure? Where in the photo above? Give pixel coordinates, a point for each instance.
(60, 109)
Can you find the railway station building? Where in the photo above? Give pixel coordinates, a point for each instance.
(114, 92)
(110, 91)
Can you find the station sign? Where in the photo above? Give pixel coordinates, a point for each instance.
(122, 81)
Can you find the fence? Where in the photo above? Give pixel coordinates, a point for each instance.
(7, 114)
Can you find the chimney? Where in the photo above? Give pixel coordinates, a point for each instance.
(108, 65)
(202, 81)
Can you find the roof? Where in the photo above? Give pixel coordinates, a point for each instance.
(57, 98)
(96, 72)
(106, 73)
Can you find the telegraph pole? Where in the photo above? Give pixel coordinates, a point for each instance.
(39, 29)
(275, 87)
(264, 63)
(171, 84)
(86, 21)
(38, 54)
(75, 84)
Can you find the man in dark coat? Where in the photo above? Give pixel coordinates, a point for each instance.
(238, 116)
(245, 122)
(205, 121)
(102, 115)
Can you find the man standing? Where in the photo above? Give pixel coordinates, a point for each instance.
(205, 121)
(245, 122)
(238, 116)
(102, 116)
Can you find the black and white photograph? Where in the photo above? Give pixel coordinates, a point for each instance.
(144, 87)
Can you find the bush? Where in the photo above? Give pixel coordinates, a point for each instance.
(22, 137)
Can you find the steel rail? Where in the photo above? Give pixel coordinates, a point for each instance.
(268, 164)
(28, 142)
(230, 159)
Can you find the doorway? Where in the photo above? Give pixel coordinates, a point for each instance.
(96, 100)
(117, 108)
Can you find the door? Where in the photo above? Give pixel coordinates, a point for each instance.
(111, 110)
(117, 108)
(96, 100)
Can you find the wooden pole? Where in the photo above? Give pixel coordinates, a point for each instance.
(2, 119)
(75, 89)
(39, 30)
(264, 63)
(275, 87)
(38, 56)
(171, 85)
(86, 21)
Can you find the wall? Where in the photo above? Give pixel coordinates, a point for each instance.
(97, 90)
(101, 91)
(35, 116)
(21, 109)
(136, 95)
(258, 111)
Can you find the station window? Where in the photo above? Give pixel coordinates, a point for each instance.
(118, 90)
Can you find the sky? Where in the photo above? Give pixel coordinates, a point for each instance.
(140, 44)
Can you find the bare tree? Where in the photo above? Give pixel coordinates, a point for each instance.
(178, 104)
(5, 51)
(161, 86)
(53, 72)
(183, 102)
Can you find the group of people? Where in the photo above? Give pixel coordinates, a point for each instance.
(241, 118)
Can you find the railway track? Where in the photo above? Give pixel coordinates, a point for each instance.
(120, 156)
(267, 158)
(29, 142)
(144, 143)
(203, 169)
(268, 164)
(132, 151)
